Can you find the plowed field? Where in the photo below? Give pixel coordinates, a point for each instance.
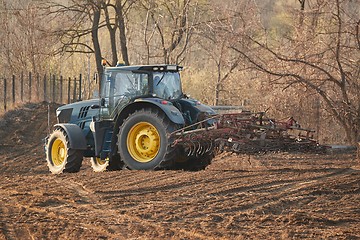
(271, 196)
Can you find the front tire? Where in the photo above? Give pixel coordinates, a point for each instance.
(99, 165)
(144, 143)
(59, 156)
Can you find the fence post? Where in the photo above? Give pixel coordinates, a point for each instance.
(22, 87)
(5, 94)
(80, 79)
(358, 153)
(30, 86)
(45, 97)
(61, 89)
(68, 92)
(13, 90)
(74, 96)
(38, 86)
(53, 89)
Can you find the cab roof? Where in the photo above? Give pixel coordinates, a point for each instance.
(151, 68)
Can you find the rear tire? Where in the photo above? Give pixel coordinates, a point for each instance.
(59, 156)
(115, 163)
(144, 143)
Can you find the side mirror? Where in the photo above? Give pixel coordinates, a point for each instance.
(96, 77)
(95, 106)
(102, 102)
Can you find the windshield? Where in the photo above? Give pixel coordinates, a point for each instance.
(124, 83)
(167, 85)
(119, 87)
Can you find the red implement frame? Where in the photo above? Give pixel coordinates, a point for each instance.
(244, 132)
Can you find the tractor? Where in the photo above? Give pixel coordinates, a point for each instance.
(144, 121)
(130, 125)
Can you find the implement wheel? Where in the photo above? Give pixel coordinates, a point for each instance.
(59, 156)
(99, 165)
(143, 141)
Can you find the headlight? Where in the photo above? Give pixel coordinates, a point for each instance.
(171, 67)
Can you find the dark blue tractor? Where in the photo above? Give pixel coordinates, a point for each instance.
(130, 125)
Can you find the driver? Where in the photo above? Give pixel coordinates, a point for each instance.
(160, 88)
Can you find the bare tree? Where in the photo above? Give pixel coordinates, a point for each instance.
(79, 28)
(112, 26)
(24, 46)
(169, 26)
(325, 58)
(86, 20)
(217, 50)
(216, 42)
(122, 9)
(117, 23)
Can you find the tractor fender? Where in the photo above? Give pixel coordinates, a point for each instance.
(170, 111)
(76, 137)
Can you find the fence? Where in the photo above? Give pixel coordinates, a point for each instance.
(17, 90)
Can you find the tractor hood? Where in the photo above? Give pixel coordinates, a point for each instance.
(77, 112)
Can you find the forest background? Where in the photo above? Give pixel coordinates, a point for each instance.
(297, 58)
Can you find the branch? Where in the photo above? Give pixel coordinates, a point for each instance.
(281, 58)
(298, 78)
(358, 34)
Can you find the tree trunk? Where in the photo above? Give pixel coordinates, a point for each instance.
(112, 33)
(95, 40)
(218, 85)
(113, 46)
(121, 23)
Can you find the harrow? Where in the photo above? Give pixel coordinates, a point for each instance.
(244, 132)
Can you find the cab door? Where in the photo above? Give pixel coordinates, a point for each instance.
(119, 89)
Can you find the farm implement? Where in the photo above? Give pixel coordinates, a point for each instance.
(245, 133)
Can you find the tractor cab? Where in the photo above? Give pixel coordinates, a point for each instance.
(124, 84)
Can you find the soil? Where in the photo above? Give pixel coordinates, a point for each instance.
(269, 196)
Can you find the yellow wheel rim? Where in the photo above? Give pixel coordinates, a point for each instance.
(58, 152)
(143, 142)
(99, 161)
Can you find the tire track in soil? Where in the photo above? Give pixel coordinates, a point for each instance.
(278, 190)
(269, 189)
(90, 197)
(15, 211)
(175, 181)
(175, 189)
(8, 231)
